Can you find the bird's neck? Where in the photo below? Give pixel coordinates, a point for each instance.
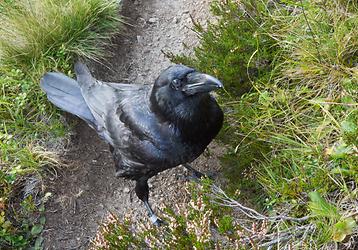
(198, 118)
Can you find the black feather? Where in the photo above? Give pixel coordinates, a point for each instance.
(149, 128)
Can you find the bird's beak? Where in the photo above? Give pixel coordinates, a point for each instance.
(200, 83)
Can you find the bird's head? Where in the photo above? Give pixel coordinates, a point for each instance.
(182, 89)
(179, 80)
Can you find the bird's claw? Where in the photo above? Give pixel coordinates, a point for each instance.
(211, 175)
(198, 175)
(156, 221)
(195, 177)
(160, 223)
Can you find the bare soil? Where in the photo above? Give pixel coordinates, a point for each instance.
(86, 191)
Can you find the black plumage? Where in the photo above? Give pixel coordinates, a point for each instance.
(149, 128)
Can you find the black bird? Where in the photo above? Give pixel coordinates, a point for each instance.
(149, 128)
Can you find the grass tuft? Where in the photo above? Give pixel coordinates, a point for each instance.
(37, 36)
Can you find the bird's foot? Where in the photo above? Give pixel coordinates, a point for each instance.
(156, 221)
(160, 223)
(211, 175)
(197, 175)
(131, 192)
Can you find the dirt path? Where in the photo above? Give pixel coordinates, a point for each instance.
(86, 191)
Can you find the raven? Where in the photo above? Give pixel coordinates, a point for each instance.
(149, 128)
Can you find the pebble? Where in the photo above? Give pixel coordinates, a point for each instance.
(153, 20)
(126, 190)
(141, 20)
(140, 39)
(176, 20)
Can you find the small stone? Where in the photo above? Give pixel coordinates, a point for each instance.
(140, 39)
(141, 20)
(153, 20)
(126, 190)
(176, 20)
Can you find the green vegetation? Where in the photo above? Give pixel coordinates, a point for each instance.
(37, 36)
(189, 227)
(290, 69)
(296, 124)
(291, 74)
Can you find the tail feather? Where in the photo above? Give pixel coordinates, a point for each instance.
(83, 74)
(65, 93)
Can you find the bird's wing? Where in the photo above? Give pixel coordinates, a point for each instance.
(105, 102)
(125, 120)
(146, 144)
(104, 99)
(128, 124)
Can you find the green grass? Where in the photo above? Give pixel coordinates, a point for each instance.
(293, 121)
(42, 33)
(35, 37)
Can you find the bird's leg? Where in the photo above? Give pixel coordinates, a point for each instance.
(197, 174)
(111, 148)
(117, 161)
(142, 191)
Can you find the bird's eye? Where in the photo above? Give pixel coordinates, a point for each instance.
(176, 84)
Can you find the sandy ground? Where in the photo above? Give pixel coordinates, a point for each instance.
(86, 191)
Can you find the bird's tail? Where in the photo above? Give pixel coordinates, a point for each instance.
(65, 93)
(83, 75)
